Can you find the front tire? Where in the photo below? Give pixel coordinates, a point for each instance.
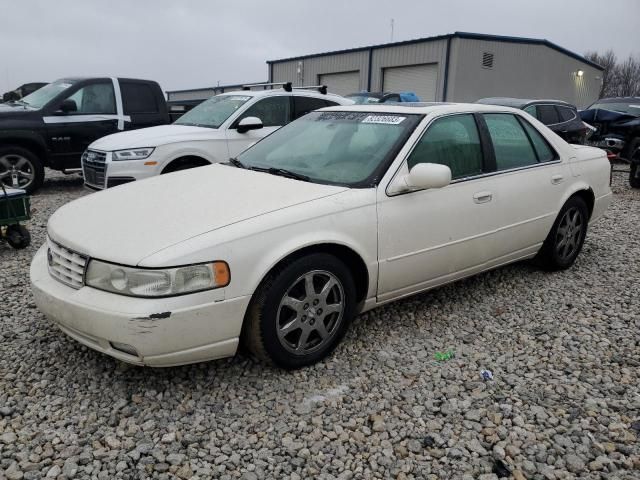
(20, 168)
(564, 242)
(300, 311)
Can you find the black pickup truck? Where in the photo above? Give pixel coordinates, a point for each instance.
(54, 125)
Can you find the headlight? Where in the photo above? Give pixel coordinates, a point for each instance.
(152, 282)
(133, 154)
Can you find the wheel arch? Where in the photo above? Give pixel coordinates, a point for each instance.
(33, 144)
(352, 259)
(588, 196)
(199, 160)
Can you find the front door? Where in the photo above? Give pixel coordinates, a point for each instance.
(70, 134)
(429, 237)
(274, 112)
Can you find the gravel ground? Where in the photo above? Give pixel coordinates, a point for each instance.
(564, 401)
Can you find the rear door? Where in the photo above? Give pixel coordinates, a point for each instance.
(274, 111)
(71, 133)
(527, 186)
(141, 104)
(571, 127)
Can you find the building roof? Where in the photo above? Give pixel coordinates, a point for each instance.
(465, 35)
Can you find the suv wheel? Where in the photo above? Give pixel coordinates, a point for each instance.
(301, 311)
(20, 168)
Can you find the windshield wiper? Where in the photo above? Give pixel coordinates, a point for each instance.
(236, 163)
(283, 172)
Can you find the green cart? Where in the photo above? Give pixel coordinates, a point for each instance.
(14, 208)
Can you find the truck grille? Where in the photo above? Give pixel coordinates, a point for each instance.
(66, 265)
(94, 168)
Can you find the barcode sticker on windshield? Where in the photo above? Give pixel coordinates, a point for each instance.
(384, 119)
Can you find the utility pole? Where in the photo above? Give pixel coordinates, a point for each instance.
(392, 21)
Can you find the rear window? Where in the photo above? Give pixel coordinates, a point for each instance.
(566, 113)
(304, 105)
(138, 98)
(547, 114)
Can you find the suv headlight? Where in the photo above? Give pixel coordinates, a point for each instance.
(156, 282)
(133, 154)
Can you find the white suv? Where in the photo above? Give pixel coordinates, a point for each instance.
(214, 131)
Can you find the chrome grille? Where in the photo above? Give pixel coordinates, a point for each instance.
(94, 168)
(66, 265)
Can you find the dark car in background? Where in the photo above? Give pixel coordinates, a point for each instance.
(559, 116)
(617, 123)
(364, 98)
(54, 125)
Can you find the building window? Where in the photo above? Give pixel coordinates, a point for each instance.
(487, 60)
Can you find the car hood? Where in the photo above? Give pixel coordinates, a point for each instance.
(155, 136)
(125, 224)
(14, 110)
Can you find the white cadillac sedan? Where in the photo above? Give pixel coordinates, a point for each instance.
(341, 211)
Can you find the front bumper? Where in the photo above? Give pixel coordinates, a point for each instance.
(164, 332)
(108, 173)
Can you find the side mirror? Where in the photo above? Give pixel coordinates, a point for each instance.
(68, 106)
(428, 175)
(249, 123)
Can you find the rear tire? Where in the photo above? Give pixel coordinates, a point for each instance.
(564, 242)
(18, 236)
(20, 168)
(300, 311)
(634, 174)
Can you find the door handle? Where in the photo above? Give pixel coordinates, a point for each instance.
(482, 197)
(557, 179)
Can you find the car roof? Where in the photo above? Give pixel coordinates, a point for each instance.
(519, 102)
(421, 108)
(296, 91)
(618, 100)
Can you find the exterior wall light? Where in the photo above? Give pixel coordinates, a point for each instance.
(580, 73)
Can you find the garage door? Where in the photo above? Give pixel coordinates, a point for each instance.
(420, 79)
(341, 83)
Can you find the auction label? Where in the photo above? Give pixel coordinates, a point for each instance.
(384, 119)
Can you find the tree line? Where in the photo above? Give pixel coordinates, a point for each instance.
(619, 78)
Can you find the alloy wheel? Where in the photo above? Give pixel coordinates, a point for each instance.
(569, 233)
(310, 312)
(16, 171)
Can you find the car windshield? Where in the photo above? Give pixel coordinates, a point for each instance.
(363, 99)
(213, 112)
(341, 148)
(44, 95)
(623, 107)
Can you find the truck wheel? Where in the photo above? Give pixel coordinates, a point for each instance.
(20, 168)
(565, 240)
(18, 236)
(300, 312)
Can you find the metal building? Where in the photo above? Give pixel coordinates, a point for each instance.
(460, 67)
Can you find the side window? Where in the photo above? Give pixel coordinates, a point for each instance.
(273, 111)
(543, 150)
(95, 98)
(138, 98)
(531, 110)
(304, 105)
(547, 114)
(566, 114)
(452, 141)
(510, 142)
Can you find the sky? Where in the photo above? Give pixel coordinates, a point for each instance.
(200, 43)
